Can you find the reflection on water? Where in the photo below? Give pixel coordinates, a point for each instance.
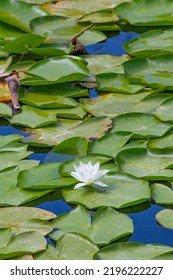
(146, 228)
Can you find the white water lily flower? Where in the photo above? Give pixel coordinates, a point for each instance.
(88, 174)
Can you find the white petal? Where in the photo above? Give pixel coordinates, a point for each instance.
(96, 166)
(79, 185)
(100, 174)
(76, 175)
(99, 183)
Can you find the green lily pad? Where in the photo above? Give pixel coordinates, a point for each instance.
(110, 144)
(19, 14)
(155, 71)
(9, 139)
(48, 254)
(105, 63)
(44, 176)
(9, 32)
(52, 49)
(165, 218)
(77, 113)
(47, 100)
(123, 191)
(90, 37)
(146, 13)
(132, 251)
(150, 43)
(60, 69)
(164, 112)
(74, 146)
(22, 43)
(58, 29)
(91, 129)
(33, 117)
(116, 83)
(73, 246)
(114, 104)
(5, 236)
(99, 17)
(5, 110)
(99, 230)
(61, 90)
(146, 164)
(4, 64)
(162, 194)
(9, 216)
(141, 124)
(23, 243)
(163, 142)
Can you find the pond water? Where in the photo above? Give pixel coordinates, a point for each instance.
(146, 228)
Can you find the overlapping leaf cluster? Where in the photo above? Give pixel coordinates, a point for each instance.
(127, 128)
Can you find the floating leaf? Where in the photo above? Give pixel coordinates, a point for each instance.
(5, 236)
(45, 176)
(99, 17)
(150, 42)
(9, 139)
(9, 32)
(105, 63)
(99, 230)
(162, 194)
(73, 146)
(165, 218)
(146, 164)
(109, 144)
(146, 13)
(64, 129)
(48, 254)
(19, 14)
(132, 251)
(141, 124)
(47, 100)
(77, 113)
(163, 142)
(73, 246)
(116, 83)
(22, 43)
(23, 243)
(113, 104)
(90, 37)
(33, 117)
(5, 110)
(52, 49)
(155, 71)
(122, 191)
(4, 64)
(60, 69)
(164, 111)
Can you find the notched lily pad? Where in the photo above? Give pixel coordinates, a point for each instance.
(165, 218)
(99, 229)
(162, 194)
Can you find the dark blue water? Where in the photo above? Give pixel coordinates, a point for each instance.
(146, 229)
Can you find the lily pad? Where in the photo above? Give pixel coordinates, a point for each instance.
(5, 110)
(9, 139)
(5, 236)
(23, 243)
(110, 144)
(22, 43)
(60, 69)
(116, 83)
(33, 117)
(48, 254)
(164, 112)
(155, 71)
(91, 129)
(132, 251)
(90, 37)
(99, 230)
(73, 246)
(114, 104)
(19, 14)
(9, 32)
(105, 63)
(163, 142)
(141, 124)
(150, 43)
(162, 194)
(123, 191)
(146, 13)
(52, 49)
(146, 164)
(77, 113)
(44, 176)
(165, 218)
(74, 146)
(47, 100)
